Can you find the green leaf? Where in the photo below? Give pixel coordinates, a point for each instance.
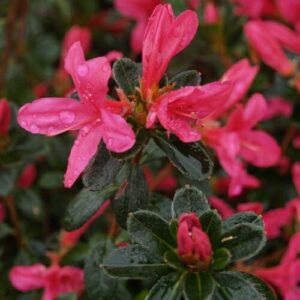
(84, 205)
(51, 180)
(134, 197)
(186, 78)
(238, 285)
(161, 205)
(192, 159)
(221, 259)
(150, 230)
(242, 217)
(173, 260)
(68, 296)
(189, 199)
(169, 287)
(8, 177)
(126, 74)
(199, 286)
(98, 284)
(30, 204)
(102, 170)
(134, 262)
(211, 224)
(243, 241)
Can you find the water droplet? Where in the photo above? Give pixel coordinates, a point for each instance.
(23, 123)
(67, 116)
(34, 128)
(82, 70)
(50, 130)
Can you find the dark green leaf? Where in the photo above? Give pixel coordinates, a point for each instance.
(98, 284)
(7, 180)
(192, 159)
(51, 180)
(198, 286)
(84, 205)
(134, 262)
(243, 240)
(189, 199)
(134, 197)
(211, 223)
(127, 74)
(68, 296)
(173, 260)
(237, 286)
(169, 287)
(242, 217)
(102, 170)
(221, 259)
(150, 230)
(161, 205)
(186, 78)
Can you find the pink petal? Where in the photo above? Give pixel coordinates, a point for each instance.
(71, 279)
(5, 116)
(293, 250)
(289, 9)
(259, 148)
(137, 36)
(255, 207)
(211, 14)
(165, 36)
(223, 208)
(296, 176)
(278, 106)
(117, 133)
(84, 148)
(27, 278)
(90, 77)
(51, 116)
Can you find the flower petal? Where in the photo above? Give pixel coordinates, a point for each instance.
(90, 77)
(51, 116)
(27, 278)
(84, 148)
(117, 133)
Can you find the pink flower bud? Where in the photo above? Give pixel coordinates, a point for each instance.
(5, 116)
(194, 245)
(211, 14)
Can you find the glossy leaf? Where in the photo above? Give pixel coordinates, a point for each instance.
(186, 78)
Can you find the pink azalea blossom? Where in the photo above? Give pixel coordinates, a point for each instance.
(55, 280)
(193, 243)
(290, 10)
(113, 55)
(221, 206)
(69, 239)
(255, 207)
(140, 11)
(254, 8)
(5, 116)
(270, 51)
(277, 106)
(238, 139)
(165, 36)
(211, 14)
(91, 116)
(286, 275)
(27, 176)
(181, 111)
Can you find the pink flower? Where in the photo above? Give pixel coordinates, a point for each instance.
(113, 55)
(140, 10)
(90, 115)
(55, 280)
(277, 106)
(69, 239)
(181, 111)
(193, 244)
(241, 75)
(255, 207)
(165, 36)
(5, 116)
(286, 275)
(270, 50)
(296, 176)
(193, 4)
(211, 14)
(254, 8)
(73, 35)
(27, 176)
(290, 10)
(238, 140)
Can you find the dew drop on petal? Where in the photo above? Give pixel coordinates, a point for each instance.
(82, 70)
(67, 117)
(34, 128)
(23, 123)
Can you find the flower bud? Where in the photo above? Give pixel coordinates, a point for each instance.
(194, 246)
(5, 116)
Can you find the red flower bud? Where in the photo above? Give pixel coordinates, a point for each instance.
(5, 116)
(194, 245)
(27, 176)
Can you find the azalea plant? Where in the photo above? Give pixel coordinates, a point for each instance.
(155, 155)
